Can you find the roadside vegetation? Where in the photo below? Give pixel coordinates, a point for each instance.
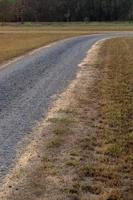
(16, 39)
(86, 150)
(18, 43)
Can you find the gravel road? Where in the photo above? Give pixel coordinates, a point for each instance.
(27, 87)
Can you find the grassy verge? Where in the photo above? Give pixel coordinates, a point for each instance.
(86, 151)
(117, 112)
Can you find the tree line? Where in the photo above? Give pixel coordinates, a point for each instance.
(65, 10)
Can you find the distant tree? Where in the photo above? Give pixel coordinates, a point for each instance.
(66, 10)
(6, 8)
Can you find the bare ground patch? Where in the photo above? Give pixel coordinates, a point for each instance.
(78, 153)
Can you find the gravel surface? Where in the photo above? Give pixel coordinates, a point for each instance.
(27, 87)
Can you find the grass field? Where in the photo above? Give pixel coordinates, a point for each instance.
(18, 43)
(87, 152)
(16, 39)
(71, 26)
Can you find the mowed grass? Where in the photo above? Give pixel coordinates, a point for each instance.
(117, 97)
(116, 111)
(16, 39)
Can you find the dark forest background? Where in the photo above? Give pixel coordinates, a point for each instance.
(66, 10)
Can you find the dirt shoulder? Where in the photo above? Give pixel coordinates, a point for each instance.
(83, 150)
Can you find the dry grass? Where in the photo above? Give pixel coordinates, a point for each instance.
(70, 26)
(18, 43)
(89, 153)
(16, 39)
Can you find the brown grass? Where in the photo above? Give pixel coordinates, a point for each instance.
(70, 26)
(18, 43)
(16, 39)
(86, 151)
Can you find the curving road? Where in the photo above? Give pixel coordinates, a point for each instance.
(27, 87)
